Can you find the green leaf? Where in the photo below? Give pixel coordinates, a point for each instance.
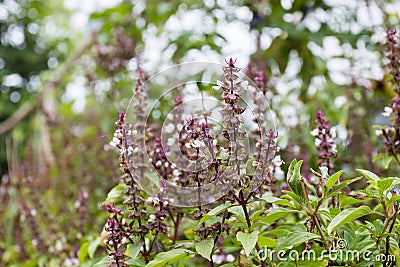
(267, 242)
(204, 248)
(342, 185)
(116, 194)
(276, 200)
(83, 251)
(346, 216)
(238, 211)
(136, 263)
(134, 250)
(372, 177)
(324, 172)
(296, 238)
(93, 247)
(386, 160)
(276, 214)
(169, 257)
(294, 177)
(332, 180)
(104, 262)
(248, 240)
(215, 211)
(270, 199)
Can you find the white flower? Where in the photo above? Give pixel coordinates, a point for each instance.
(197, 143)
(388, 112)
(215, 141)
(315, 132)
(333, 132)
(152, 218)
(176, 172)
(153, 200)
(378, 133)
(170, 142)
(317, 141)
(277, 161)
(114, 142)
(230, 258)
(169, 128)
(255, 163)
(218, 259)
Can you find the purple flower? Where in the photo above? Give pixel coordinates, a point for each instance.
(324, 141)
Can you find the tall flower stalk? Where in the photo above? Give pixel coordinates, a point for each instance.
(392, 133)
(324, 141)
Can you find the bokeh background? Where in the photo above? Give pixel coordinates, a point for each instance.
(68, 67)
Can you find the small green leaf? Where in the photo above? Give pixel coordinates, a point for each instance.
(115, 195)
(134, 250)
(276, 214)
(238, 211)
(296, 238)
(276, 200)
(324, 172)
(385, 184)
(169, 257)
(294, 177)
(267, 242)
(248, 240)
(83, 251)
(93, 247)
(270, 199)
(215, 211)
(342, 185)
(136, 263)
(386, 160)
(204, 248)
(104, 262)
(346, 216)
(372, 177)
(333, 179)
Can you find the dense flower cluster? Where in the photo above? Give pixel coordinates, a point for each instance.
(234, 131)
(266, 162)
(393, 54)
(192, 156)
(324, 141)
(392, 133)
(116, 239)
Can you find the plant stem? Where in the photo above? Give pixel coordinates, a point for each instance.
(243, 203)
(390, 231)
(314, 216)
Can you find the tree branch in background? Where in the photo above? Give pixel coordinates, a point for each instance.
(47, 105)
